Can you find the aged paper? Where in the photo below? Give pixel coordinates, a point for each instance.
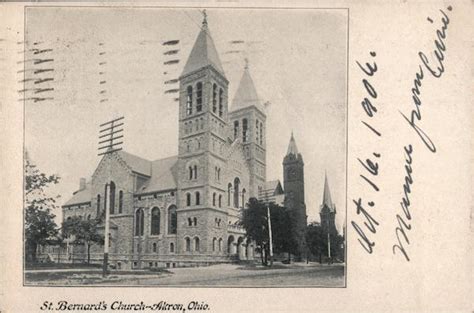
(240, 157)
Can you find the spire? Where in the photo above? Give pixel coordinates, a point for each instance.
(292, 149)
(327, 195)
(204, 52)
(246, 94)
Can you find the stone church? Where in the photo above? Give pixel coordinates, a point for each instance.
(184, 210)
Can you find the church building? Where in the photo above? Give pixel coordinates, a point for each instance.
(184, 210)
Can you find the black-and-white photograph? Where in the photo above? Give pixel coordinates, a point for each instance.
(185, 147)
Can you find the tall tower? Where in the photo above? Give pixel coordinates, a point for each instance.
(293, 182)
(327, 211)
(202, 136)
(247, 122)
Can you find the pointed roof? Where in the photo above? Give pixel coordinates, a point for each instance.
(246, 94)
(292, 149)
(327, 195)
(204, 53)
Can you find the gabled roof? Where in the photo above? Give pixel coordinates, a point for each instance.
(203, 54)
(163, 175)
(246, 94)
(327, 196)
(80, 196)
(137, 164)
(292, 149)
(272, 191)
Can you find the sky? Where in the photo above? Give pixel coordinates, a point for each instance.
(109, 62)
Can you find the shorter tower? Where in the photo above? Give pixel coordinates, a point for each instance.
(293, 182)
(327, 211)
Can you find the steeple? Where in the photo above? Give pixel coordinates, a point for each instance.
(246, 94)
(327, 195)
(292, 149)
(204, 52)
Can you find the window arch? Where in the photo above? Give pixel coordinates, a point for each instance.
(261, 133)
(190, 172)
(98, 206)
(236, 129)
(243, 198)
(229, 192)
(214, 98)
(256, 131)
(214, 244)
(188, 199)
(189, 100)
(244, 129)
(171, 247)
(187, 244)
(199, 97)
(88, 217)
(190, 221)
(112, 197)
(214, 199)
(139, 222)
(236, 192)
(195, 221)
(172, 220)
(155, 221)
(220, 244)
(220, 201)
(195, 172)
(154, 247)
(120, 208)
(221, 103)
(198, 198)
(196, 244)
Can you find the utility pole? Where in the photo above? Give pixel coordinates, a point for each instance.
(329, 243)
(270, 234)
(111, 131)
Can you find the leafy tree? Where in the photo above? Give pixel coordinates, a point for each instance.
(83, 231)
(317, 242)
(39, 221)
(255, 222)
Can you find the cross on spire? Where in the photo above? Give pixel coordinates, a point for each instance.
(204, 21)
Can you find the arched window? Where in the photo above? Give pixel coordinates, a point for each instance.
(261, 133)
(214, 98)
(190, 221)
(112, 197)
(256, 132)
(88, 217)
(214, 244)
(221, 103)
(172, 220)
(220, 244)
(198, 196)
(195, 172)
(190, 172)
(243, 198)
(120, 202)
(189, 100)
(195, 221)
(199, 97)
(220, 201)
(139, 222)
(69, 218)
(202, 123)
(236, 192)
(154, 247)
(98, 206)
(196, 244)
(214, 199)
(236, 129)
(244, 129)
(218, 174)
(171, 247)
(188, 199)
(155, 221)
(229, 192)
(187, 243)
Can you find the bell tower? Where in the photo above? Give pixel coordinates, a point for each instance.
(247, 122)
(203, 128)
(293, 181)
